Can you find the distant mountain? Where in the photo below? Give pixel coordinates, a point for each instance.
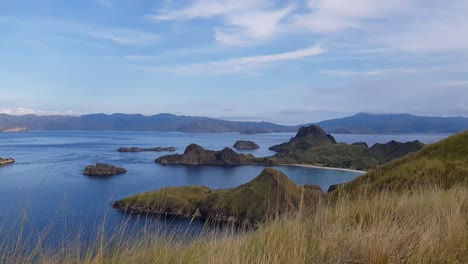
(363, 123)
(122, 122)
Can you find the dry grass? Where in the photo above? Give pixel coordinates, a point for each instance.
(423, 226)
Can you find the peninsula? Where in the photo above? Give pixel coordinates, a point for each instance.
(268, 195)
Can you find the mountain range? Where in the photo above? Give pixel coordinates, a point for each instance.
(361, 123)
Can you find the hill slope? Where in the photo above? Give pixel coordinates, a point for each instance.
(444, 164)
(363, 123)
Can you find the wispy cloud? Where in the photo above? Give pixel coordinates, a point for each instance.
(245, 65)
(127, 37)
(28, 111)
(371, 72)
(106, 3)
(245, 22)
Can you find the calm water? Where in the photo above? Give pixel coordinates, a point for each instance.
(46, 183)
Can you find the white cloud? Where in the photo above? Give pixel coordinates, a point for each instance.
(209, 8)
(28, 111)
(246, 65)
(371, 72)
(244, 22)
(127, 37)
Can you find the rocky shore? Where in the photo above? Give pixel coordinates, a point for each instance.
(136, 149)
(6, 161)
(101, 169)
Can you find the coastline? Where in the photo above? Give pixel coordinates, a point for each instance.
(321, 167)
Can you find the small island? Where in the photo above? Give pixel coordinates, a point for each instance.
(136, 149)
(197, 155)
(15, 130)
(6, 161)
(269, 195)
(245, 144)
(101, 169)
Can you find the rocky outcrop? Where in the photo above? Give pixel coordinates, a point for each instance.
(101, 169)
(334, 187)
(136, 149)
(15, 130)
(6, 161)
(245, 144)
(197, 155)
(269, 195)
(306, 137)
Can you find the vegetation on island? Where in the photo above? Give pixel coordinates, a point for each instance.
(101, 169)
(245, 144)
(271, 193)
(312, 145)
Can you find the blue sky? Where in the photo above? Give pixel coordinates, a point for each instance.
(288, 61)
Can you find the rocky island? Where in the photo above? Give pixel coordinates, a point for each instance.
(101, 169)
(312, 145)
(197, 155)
(6, 161)
(245, 144)
(15, 130)
(269, 195)
(136, 149)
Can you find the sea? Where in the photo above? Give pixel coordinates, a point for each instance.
(45, 194)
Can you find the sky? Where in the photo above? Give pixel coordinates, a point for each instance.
(284, 61)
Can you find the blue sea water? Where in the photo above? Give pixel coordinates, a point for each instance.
(46, 191)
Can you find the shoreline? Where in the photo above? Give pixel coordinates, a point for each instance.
(321, 167)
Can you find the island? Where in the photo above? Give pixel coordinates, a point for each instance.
(197, 155)
(15, 130)
(101, 169)
(269, 195)
(245, 144)
(6, 161)
(136, 149)
(312, 145)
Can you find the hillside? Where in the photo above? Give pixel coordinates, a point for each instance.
(442, 164)
(364, 123)
(267, 195)
(124, 122)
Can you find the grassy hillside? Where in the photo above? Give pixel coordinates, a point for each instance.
(442, 164)
(270, 193)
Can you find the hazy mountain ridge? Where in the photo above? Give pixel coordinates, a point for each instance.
(361, 123)
(364, 123)
(136, 122)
